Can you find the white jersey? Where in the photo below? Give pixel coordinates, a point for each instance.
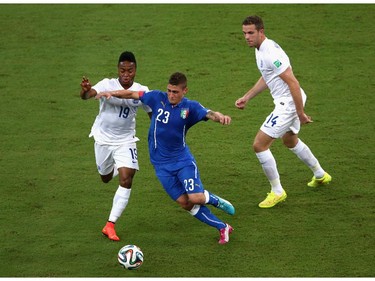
(115, 123)
(273, 61)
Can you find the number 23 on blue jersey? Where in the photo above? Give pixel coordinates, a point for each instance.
(163, 116)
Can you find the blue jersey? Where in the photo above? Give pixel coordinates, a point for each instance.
(169, 125)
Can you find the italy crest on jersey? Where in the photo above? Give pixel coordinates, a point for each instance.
(184, 113)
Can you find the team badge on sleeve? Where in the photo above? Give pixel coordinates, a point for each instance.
(277, 63)
(184, 113)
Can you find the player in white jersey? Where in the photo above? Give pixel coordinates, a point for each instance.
(114, 134)
(284, 121)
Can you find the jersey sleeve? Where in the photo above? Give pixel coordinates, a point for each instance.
(144, 106)
(199, 112)
(150, 98)
(144, 89)
(101, 86)
(278, 61)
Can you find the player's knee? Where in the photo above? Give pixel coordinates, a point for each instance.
(257, 146)
(106, 178)
(290, 142)
(186, 205)
(184, 202)
(126, 182)
(290, 139)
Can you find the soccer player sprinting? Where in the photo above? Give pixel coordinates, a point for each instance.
(172, 116)
(284, 121)
(114, 134)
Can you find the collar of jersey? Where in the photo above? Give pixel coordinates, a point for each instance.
(177, 105)
(264, 43)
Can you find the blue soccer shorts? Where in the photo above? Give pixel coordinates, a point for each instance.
(179, 178)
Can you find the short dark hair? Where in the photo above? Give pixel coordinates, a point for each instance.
(127, 56)
(256, 20)
(178, 78)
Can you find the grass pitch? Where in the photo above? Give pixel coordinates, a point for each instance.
(53, 205)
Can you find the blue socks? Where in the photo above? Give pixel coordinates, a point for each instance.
(204, 214)
(211, 198)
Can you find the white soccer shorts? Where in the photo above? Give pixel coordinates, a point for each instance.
(280, 122)
(122, 155)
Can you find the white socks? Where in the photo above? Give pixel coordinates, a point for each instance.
(207, 195)
(120, 201)
(304, 153)
(268, 163)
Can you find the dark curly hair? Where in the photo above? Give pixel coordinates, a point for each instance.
(127, 56)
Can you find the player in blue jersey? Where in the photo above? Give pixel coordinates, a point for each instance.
(172, 116)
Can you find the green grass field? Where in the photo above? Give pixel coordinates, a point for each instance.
(53, 204)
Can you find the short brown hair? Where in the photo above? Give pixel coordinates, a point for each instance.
(178, 78)
(256, 20)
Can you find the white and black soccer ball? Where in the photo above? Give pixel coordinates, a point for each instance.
(130, 257)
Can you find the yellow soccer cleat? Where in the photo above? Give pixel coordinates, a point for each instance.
(272, 199)
(326, 179)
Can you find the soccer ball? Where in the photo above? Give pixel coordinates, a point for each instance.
(130, 257)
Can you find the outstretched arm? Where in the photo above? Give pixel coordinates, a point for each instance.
(259, 87)
(219, 117)
(122, 94)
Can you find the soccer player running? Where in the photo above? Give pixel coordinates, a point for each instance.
(284, 121)
(114, 134)
(172, 116)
